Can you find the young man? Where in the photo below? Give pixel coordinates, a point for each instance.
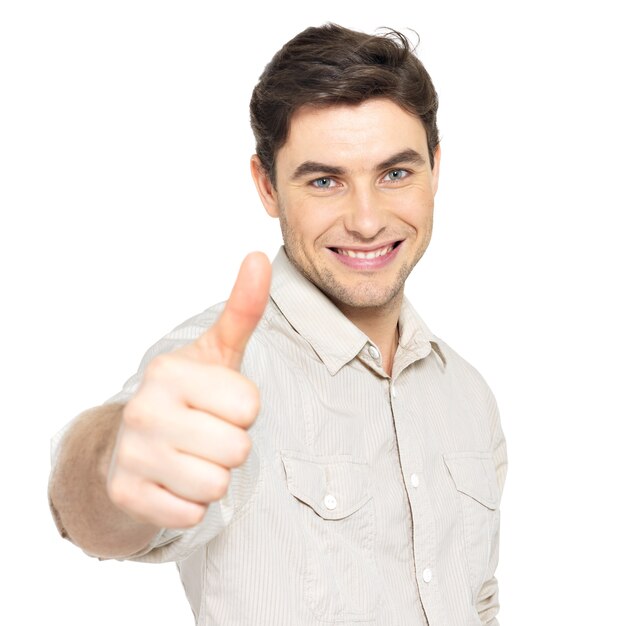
(309, 452)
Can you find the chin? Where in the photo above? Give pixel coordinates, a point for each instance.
(365, 297)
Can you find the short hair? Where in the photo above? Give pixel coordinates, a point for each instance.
(331, 65)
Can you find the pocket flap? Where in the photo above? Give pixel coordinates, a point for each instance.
(474, 474)
(333, 486)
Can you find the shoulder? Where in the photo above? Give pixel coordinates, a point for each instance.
(184, 333)
(457, 364)
(464, 377)
(193, 327)
(453, 367)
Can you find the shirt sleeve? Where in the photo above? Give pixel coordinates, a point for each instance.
(173, 544)
(487, 602)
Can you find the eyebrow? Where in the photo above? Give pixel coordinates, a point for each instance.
(314, 167)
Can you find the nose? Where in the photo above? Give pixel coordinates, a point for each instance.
(364, 216)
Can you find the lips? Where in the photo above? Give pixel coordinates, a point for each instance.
(369, 259)
(365, 254)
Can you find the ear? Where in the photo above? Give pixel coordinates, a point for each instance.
(437, 159)
(264, 186)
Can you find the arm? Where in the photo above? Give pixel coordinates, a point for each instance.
(78, 496)
(156, 462)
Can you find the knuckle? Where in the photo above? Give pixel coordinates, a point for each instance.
(195, 516)
(204, 345)
(161, 367)
(188, 518)
(250, 403)
(241, 447)
(219, 483)
(119, 493)
(135, 414)
(126, 456)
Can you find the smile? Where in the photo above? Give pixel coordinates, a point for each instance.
(363, 254)
(374, 258)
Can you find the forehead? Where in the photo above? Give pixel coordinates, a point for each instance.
(354, 136)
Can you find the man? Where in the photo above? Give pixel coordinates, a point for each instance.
(309, 452)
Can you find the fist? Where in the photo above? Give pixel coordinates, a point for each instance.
(186, 427)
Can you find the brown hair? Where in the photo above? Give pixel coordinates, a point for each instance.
(328, 65)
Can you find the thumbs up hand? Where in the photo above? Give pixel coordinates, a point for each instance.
(186, 426)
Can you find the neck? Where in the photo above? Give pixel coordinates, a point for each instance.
(380, 324)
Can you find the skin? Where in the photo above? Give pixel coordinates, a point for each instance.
(126, 471)
(338, 185)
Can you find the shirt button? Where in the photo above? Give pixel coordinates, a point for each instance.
(374, 353)
(393, 391)
(427, 575)
(330, 502)
(415, 480)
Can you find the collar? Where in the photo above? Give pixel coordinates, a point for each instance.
(335, 339)
(416, 339)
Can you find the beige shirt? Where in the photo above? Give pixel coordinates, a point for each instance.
(367, 499)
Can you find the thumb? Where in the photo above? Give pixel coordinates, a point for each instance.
(244, 308)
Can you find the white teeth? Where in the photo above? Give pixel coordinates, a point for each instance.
(357, 254)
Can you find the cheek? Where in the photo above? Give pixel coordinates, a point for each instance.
(309, 223)
(416, 214)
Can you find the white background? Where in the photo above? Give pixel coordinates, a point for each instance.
(126, 207)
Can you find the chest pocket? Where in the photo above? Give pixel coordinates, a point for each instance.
(474, 477)
(334, 509)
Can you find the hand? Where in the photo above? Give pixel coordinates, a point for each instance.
(186, 427)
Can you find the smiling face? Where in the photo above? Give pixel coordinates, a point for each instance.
(354, 195)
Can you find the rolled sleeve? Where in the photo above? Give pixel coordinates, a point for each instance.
(176, 544)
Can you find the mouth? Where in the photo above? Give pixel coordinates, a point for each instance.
(355, 253)
(371, 258)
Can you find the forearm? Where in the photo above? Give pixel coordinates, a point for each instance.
(79, 501)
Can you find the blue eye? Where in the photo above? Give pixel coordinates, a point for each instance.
(323, 183)
(396, 174)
